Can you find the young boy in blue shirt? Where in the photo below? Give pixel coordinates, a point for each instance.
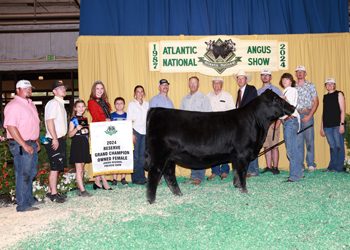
(119, 115)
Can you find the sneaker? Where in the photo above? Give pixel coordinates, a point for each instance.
(311, 169)
(48, 195)
(85, 194)
(275, 171)
(266, 170)
(115, 182)
(57, 198)
(62, 195)
(37, 203)
(124, 182)
(31, 209)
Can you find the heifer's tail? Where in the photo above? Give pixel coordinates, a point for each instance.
(146, 161)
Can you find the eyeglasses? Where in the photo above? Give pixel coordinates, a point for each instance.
(265, 75)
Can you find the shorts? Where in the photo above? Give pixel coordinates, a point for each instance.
(268, 141)
(57, 157)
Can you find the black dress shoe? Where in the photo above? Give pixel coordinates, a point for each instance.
(106, 188)
(288, 180)
(96, 187)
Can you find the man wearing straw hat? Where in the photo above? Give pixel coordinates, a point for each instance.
(220, 100)
(246, 93)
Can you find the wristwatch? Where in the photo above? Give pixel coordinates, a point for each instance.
(342, 123)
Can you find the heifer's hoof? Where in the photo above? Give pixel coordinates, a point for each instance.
(178, 194)
(151, 201)
(243, 190)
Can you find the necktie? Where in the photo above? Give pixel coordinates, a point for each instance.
(239, 98)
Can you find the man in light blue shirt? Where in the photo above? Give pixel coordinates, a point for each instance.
(196, 101)
(162, 100)
(271, 156)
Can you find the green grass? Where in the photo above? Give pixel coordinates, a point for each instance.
(311, 214)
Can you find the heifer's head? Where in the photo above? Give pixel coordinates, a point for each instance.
(277, 107)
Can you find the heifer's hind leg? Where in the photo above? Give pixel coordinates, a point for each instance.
(154, 175)
(169, 175)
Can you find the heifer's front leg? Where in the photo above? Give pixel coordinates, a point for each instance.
(154, 176)
(240, 168)
(169, 175)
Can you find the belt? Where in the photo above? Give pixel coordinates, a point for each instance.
(289, 118)
(303, 111)
(63, 137)
(12, 140)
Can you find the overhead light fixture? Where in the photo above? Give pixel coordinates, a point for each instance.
(41, 78)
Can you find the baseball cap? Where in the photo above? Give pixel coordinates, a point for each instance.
(300, 68)
(23, 84)
(57, 84)
(330, 80)
(163, 81)
(265, 72)
(217, 79)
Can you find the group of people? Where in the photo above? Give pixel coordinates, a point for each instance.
(22, 123)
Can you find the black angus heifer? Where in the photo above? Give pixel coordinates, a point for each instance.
(200, 139)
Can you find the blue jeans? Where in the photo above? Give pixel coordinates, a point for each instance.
(307, 137)
(253, 167)
(336, 144)
(138, 177)
(26, 168)
(290, 130)
(225, 169)
(198, 174)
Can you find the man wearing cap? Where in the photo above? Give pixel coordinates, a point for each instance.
(23, 126)
(56, 127)
(220, 100)
(307, 105)
(273, 154)
(196, 101)
(162, 100)
(246, 93)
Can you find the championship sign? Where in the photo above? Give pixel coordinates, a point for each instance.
(111, 147)
(217, 56)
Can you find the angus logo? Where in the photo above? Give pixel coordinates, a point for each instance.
(220, 55)
(111, 130)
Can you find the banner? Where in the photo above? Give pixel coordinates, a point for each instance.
(111, 147)
(217, 55)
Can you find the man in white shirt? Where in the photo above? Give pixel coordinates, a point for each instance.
(196, 101)
(220, 100)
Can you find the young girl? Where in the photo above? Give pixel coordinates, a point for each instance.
(79, 152)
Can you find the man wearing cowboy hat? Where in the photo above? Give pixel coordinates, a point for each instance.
(246, 93)
(220, 100)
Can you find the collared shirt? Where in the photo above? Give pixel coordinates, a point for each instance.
(306, 92)
(55, 110)
(22, 114)
(138, 113)
(292, 98)
(222, 101)
(196, 102)
(270, 86)
(242, 91)
(160, 101)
